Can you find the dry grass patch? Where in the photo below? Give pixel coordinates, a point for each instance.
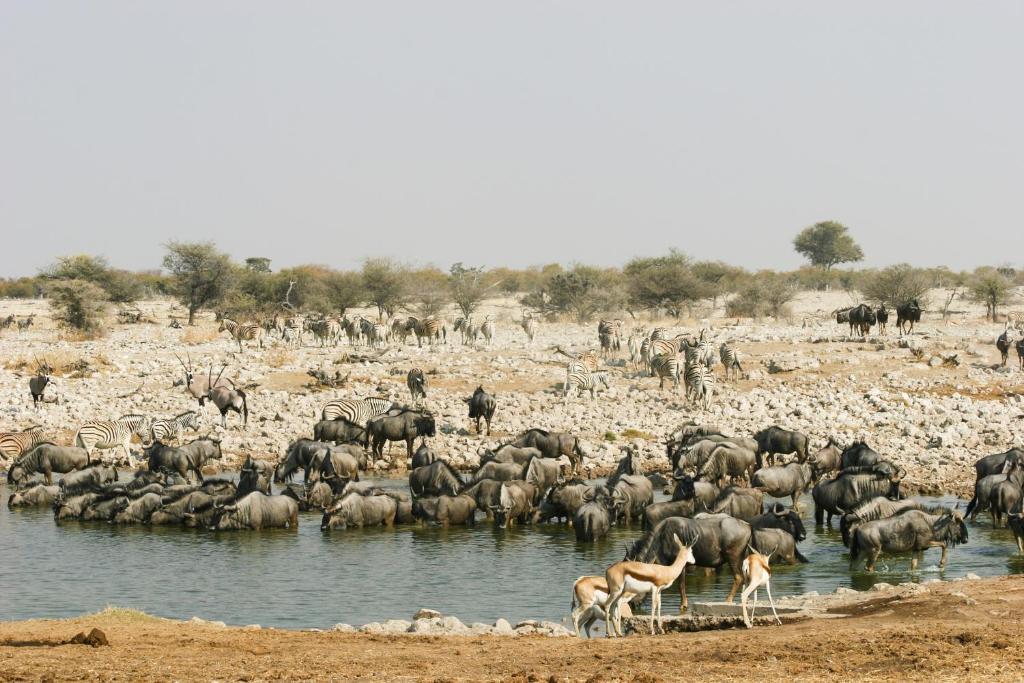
(278, 357)
(62, 363)
(199, 335)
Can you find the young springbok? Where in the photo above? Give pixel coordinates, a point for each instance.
(756, 573)
(640, 578)
(591, 594)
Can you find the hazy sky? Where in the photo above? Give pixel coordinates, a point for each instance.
(510, 133)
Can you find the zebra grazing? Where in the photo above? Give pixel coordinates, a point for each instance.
(417, 383)
(174, 428)
(15, 444)
(579, 380)
(359, 411)
(666, 366)
(529, 326)
(488, 329)
(700, 385)
(469, 331)
(242, 332)
(110, 434)
(730, 359)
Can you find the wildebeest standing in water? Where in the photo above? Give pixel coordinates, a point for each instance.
(257, 511)
(783, 441)
(554, 445)
(47, 458)
(912, 531)
(481, 405)
(184, 459)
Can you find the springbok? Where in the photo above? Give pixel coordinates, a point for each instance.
(641, 578)
(756, 573)
(591, 594)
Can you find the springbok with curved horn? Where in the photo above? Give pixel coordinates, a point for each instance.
(226, 399)
(756, 573)
(641, 578)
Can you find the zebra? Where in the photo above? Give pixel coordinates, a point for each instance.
(110, 434)
(579, 380)
(633, 345)
(469, 331)
(15, 444)
(700, 384)
(730, 359)
(174, 428)
(659, 333)
(26, 323)
(645, 353)
(400, 329)
(242, 331)
(529, 326)
(430, 328)
(324, 330)
(7, 322)
(417, 383)
(705, 350)
(351, 328)
(665, 366)
(488, 329)
(359, 411)
(609, 334)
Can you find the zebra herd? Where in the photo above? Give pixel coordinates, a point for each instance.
(22, 323)
(659, 353)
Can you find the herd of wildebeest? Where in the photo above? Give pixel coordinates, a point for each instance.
(717, 483)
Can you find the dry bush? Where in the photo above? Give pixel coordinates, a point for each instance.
(63, 363)
(199, 335)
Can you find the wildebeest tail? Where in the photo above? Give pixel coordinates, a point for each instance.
(973, 504)
(800, 557)
(854, 547)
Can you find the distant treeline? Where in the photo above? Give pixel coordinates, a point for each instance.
(201, 277)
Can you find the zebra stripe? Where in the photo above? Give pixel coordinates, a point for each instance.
(469, 331)
(700, 384)
(580, 380)
(176, 426)
(666, 366)
(110, 434)
(416, 380)
(488, 329)
(14, 444)
(355, 410)
(242, 331)
(730, 359)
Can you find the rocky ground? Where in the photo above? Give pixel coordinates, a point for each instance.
(933, 402)
(963, 630)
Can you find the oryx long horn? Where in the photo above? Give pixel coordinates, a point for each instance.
(218, 375)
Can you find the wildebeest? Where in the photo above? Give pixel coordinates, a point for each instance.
(406, 426)
(878, 507)
(859, 454)
(47, 458)
(481, 405)
(87, 479)
(501, 471)
(507, 453)
(656, 512)
(563, 500)
(1016, 524)
(1003, 344)
(254, 475)
(515, 503)
(173, 510)
(827, 460)
(686, 488)
(883, 317)
(340, 431)
(782, 441)
(300, 454)
(257, 511)
(184, 459)
(985, 487)
(720, 539)
(424, 455)
(912, 531)
(138, 511)
(104, 508)
(72, 506)
(436, 479)
(486, 493)
(861, 319)
(1006, 495)
(446, 510)
(594, 518)
(728, 461)
(777, 544)
(779, 517)
(336, 467)
(37, 496)
(554, 445)
(790, 480)
(995, 463)
(908, 314)
(358, 511)
(845, 492)
(628, 464)
(631, 495)
(738, 502)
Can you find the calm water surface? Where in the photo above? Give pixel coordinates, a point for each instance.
(306, 578)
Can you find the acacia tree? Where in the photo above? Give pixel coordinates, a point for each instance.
(467, 287)
(826, 244)
(119, 286)
(384, 284)
(665, 282)
(79, 305)
(201, 274)
(991, 287)
(580, 292)
(896, 285)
